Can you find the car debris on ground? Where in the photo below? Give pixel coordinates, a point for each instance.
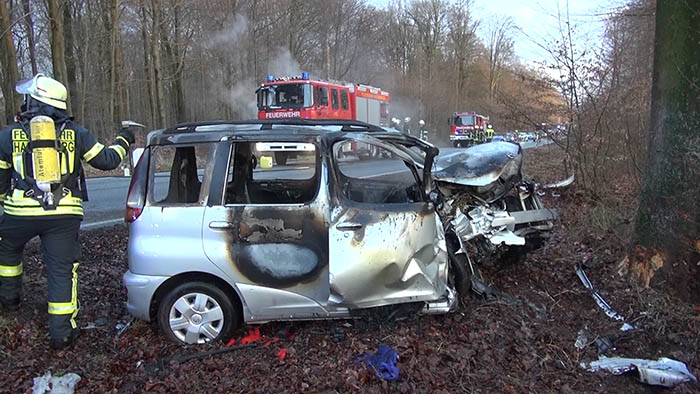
(382, 363)
(49, 384)
(662, 372)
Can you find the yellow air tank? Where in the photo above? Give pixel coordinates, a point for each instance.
(45, 160)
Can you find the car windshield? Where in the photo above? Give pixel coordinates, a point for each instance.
(287, 95)
(464, 120)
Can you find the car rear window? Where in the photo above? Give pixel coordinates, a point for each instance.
(178, 173)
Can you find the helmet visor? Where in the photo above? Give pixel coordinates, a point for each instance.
(28, 86)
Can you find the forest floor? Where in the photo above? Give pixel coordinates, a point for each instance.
(485, 346)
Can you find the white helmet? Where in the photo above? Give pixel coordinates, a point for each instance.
(407, 119)
(421, 122)
(42, 88)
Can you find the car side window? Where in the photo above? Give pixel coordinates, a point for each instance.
(178, 173)
(374, 175)
(254, 177)
(334, 98)
(344, 104)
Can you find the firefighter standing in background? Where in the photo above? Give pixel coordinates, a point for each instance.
(423, 130)
(489, 133)
(42, 192)
(406, 128)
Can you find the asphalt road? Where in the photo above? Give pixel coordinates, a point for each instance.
(107, 195)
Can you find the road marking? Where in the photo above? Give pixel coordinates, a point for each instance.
(86, 226)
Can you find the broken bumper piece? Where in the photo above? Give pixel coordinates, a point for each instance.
(662, 372)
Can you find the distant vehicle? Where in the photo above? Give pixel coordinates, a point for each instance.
(530, 136)
(497, 138)
(467, 129)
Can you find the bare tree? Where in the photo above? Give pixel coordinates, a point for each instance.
(58, 47)
(29, 29)
(500, 46)
(8, 58)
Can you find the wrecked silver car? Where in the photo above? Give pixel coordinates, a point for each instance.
(222, 235)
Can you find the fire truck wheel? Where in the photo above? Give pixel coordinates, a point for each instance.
(281, 158)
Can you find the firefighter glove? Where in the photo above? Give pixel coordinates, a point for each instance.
(128, 135)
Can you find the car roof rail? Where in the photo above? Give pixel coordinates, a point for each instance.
(267, 124)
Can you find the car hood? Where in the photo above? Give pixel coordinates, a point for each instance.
(479, 165)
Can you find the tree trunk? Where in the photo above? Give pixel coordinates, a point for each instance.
(668, 219)
(157, 68)
(29, 28)
(9, 59)
(71, 60)
(148, 65)
(58, 47)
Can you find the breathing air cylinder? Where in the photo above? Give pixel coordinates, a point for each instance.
(45, 160)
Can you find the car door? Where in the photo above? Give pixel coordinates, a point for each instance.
(268, 229)
(386, 242)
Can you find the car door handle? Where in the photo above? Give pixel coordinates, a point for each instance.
(349, 226)
(220, 225)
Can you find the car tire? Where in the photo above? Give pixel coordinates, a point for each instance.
(281, 158)
(197, 312)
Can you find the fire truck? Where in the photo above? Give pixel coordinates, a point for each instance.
(304, 98)
(467, 129)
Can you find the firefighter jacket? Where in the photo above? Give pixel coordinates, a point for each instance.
(80, 145)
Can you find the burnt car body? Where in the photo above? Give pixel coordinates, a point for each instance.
(219, 236)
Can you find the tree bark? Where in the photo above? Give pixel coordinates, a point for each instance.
(148, 65)
(70, 58)
(668, 218)
(58, 47)
(157, 68)
(9, 60)
(29, 28)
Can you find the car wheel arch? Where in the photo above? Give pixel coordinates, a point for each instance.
(166, 287)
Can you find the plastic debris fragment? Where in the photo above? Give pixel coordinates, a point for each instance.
(662, 372)
(600, 300)
(253, 336)
(64, 384)
(383, 362)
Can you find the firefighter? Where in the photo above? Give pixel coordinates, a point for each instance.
(489, 133)
(423, 130)
(42, 191)
(406, 128)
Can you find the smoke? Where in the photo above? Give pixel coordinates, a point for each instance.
(241, 99)
(231, 36)
(282, 63)
(238, 88)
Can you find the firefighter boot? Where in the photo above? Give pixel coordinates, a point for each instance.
(62, 343)
(61, 250)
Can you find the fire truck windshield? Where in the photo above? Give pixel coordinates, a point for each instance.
(287, 95)
(464, 120)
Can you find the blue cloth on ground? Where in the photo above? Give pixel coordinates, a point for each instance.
(383, 362)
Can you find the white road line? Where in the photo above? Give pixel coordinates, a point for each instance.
(87, 226)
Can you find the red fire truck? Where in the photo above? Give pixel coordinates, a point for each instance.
(304, 98)
(467, 129)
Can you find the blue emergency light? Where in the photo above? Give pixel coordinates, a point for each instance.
(304, 75)
(270, 78)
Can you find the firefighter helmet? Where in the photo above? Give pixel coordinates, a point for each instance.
(407, 119)
(421, 122)
(42, 88)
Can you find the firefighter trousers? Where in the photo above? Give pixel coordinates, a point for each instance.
(61, 250)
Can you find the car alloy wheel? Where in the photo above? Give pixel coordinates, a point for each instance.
(197, 312)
